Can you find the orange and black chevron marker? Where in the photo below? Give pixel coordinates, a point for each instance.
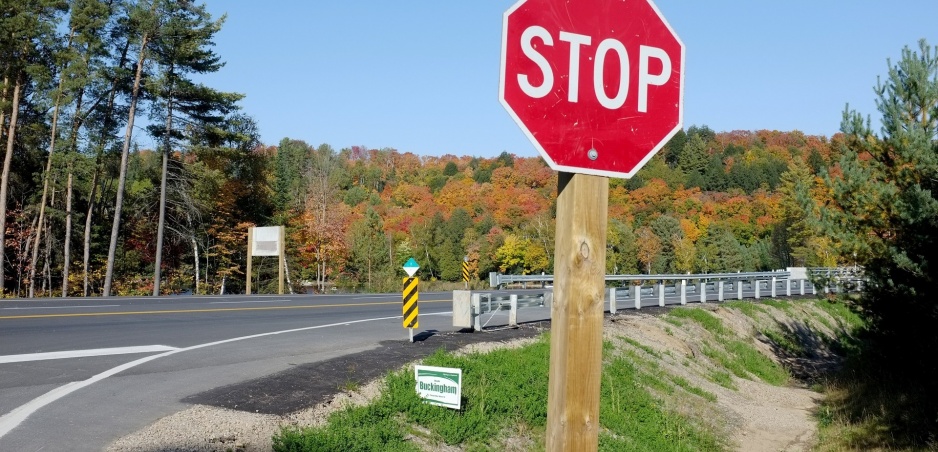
(410, 302)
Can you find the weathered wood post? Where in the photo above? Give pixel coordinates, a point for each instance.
(577, 313)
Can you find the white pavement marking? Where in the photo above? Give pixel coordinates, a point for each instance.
(10, 420)
(84, 353)
(253, 301)
(63, 307)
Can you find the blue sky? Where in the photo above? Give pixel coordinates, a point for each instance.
(422, 76)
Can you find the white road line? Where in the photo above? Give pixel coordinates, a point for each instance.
(10, 420)
(84, 353)
(63, 307)
(253, 301)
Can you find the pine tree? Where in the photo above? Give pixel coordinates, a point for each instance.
(144, 22)
(27, 29)
(182, 47)
(885, 210)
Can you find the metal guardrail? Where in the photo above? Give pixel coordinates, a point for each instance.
(722, 289)
(689, 288)
(497, 280)
(490, 303)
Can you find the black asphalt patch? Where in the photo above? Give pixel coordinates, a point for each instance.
(308, 385)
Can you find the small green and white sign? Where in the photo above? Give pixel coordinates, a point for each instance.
(439, 385)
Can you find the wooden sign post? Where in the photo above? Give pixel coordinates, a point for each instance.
(577, 313)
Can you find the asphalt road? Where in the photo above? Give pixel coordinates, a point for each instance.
(76, 374)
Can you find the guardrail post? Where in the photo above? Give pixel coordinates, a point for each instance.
(801, 285)
(813, 289)
(638, 296)
(703, 291)
(756, 285)
(661, 293)
(513, 314)
(739, 289)
(720, 290)
(788, 287)
(612, 300)
(774, 279)
(683, 291)
(477, 311)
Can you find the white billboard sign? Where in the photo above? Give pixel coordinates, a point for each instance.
(266, 241)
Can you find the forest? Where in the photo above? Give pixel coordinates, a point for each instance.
(86, 211)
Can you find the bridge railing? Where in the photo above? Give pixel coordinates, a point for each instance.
(483, 302)
(629, 291)
(833, 276)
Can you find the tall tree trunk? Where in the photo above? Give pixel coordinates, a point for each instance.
(161, 225)
(24, 247)
(3, 97)
(122, 179)
(45, 186)
(47, 268)
(67, 248)
(99, 157)
(86, 257)
(287, 270)
(5, 178)
(195, 250)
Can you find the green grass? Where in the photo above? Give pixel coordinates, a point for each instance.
(652, 376)
(722, 378)
(744, 361)
(633, 420)
(785, 340)
(707, 320)
(748, 308)
(738, 357)
(641, 346)
(683, 383)
(674, 321)
(781, 305)
(746, 356)
(848, 319)
(508, 389)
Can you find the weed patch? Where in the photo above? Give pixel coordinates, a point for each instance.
(641, 346)
(707, 320)
(722, 378)
(750, 309)
(633, 420)
(785, 340)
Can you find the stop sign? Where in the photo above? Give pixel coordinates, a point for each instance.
(596, 85)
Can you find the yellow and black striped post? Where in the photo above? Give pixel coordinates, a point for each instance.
(411, 294)
(465, 272)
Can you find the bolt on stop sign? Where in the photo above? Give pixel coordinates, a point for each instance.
(596, 85)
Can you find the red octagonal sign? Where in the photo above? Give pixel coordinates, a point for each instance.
(596, 85)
